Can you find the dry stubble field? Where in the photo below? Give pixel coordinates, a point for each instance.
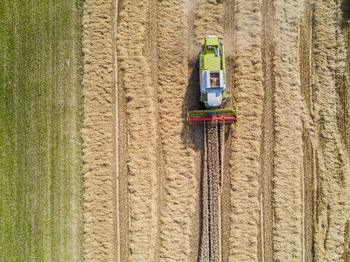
(284, 169)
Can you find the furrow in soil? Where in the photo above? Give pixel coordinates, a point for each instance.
(204, 232)
(213, 163)
(210, 245)
(268, 133)
(308, 181)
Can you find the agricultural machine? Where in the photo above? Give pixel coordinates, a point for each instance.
(212, 90)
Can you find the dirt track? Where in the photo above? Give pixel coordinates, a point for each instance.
(284, 170)
(210, 233)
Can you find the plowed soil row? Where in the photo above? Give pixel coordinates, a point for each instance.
(268, 132)
(210, 245)
(204, 225)
(213, 162)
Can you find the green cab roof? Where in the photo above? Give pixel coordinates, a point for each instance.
(211, 62)
(213, 41)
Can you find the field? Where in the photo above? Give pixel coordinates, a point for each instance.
(284, 189)
(40, 166)
(97, 163)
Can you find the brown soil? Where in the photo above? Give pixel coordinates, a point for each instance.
(210, 236)
(204, 248)
(214, 171)
(279, 178)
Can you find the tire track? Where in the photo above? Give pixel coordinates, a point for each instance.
(157, 181)
(308, 180)
(116, 152)
(122, 145)
(268, 132)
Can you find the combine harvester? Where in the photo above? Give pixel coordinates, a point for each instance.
(212, 94)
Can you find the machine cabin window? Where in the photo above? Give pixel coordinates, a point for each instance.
(214, 79)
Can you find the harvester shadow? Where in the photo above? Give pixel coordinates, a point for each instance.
(193, 137)
(345, 8)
